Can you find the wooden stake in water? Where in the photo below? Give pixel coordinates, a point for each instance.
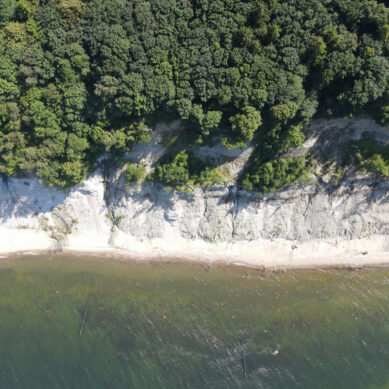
(83, 319)
(244, 364)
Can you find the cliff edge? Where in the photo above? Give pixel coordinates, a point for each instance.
(312, 223)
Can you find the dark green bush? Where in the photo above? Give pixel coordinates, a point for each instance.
(174, 172)
(376, 164)
(183, 171)
(135, 173)
(276, 174)
(371, 157)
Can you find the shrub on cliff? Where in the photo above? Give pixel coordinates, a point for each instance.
(376, 164)
(184, 171)
(276, 174)
(174, 172)
(135, 173)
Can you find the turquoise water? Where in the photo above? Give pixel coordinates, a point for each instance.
(190, 326)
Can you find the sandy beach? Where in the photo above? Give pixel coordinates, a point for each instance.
(265, 254)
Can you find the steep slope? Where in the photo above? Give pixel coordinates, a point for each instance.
(304, 224)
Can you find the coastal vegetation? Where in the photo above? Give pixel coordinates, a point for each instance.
(83, 78)
(278, 173)
(135, 173)
(371, 157)
(183, 171)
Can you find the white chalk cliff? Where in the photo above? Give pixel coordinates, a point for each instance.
(302, 225)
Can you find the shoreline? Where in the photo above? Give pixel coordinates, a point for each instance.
(276, 254)
(375, 260)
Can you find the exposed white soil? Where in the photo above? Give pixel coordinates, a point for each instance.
(299, 226)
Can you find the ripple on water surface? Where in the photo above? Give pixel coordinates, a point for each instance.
(190, 326)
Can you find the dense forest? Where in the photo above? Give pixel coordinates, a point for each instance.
(81, 78)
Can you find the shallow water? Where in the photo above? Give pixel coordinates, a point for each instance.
(190, 326)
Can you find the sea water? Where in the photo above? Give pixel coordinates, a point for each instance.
(170, 325)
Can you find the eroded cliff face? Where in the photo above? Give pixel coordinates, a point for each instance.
(302, 221)
(359, 208)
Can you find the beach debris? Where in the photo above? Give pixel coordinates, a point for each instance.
(275, 353)
(365, 252)
(83, 319)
